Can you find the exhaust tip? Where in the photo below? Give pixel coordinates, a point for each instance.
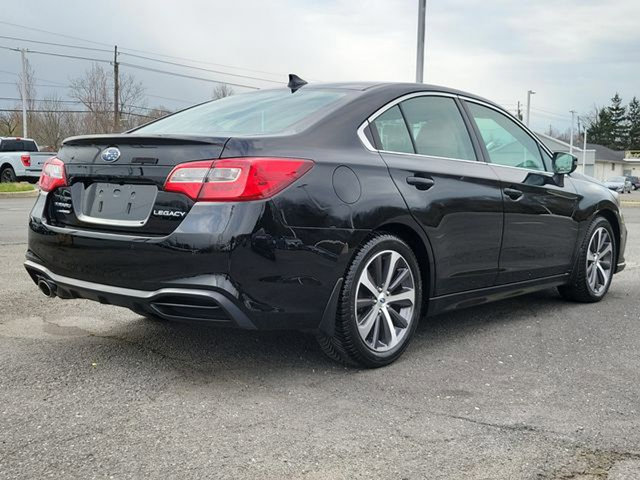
(46, 288)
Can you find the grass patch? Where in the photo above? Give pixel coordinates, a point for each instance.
(16, 187)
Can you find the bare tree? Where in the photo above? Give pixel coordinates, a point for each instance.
(221, 90)
(95, 90)
(49, 126)
(132, 102)
(9, 123)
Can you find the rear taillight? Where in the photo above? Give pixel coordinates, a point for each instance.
(53, 175)
(26, 160)
(236, 179)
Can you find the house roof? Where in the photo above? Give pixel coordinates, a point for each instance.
(606, 153)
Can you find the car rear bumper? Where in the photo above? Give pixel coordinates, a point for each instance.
(190, 304)
(237, 264)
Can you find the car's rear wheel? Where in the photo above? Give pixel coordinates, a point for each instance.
(8, 175)
(379, 305)
(595, 266)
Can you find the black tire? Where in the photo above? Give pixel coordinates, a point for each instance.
(347, 345)
(8, 175)
(579, 289)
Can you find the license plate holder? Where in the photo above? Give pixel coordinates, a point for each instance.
(114, 204)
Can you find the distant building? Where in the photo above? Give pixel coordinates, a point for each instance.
(599, 162)
(586, 159)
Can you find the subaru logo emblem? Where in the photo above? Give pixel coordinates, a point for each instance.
(110, 154)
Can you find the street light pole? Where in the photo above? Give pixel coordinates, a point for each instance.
(529, 93)
(422, 12)
(573, 116)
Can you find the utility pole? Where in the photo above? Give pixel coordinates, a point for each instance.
(573, 116)
(529, 93)
(584, 152)
(23, 88)
(116, 93)
(422, 12)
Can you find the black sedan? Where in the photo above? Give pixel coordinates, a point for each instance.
(346, 210)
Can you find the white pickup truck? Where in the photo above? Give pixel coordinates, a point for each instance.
(20, 159)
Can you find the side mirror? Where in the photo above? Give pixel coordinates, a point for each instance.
(563, 163)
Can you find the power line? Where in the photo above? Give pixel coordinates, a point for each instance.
(37, 85)
(190, 102)
(76, 102)
(55, 44)
(175, 74)
(33, 29)
(201, 69)
(91, 59)
(203, 62)
(105, 112)
(132, 65)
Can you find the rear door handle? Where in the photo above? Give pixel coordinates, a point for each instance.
(512, 193)
(421, 183)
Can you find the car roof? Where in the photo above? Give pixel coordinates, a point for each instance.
(397, 88)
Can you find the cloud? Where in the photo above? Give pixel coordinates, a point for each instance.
(574, 53)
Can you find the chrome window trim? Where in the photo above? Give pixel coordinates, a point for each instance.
(363, 138)
(510, 117)
(367, 144)
(434, 156)
(433, 93)
(539, 172)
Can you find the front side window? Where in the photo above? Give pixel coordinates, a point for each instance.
(506, 142)
(437, 127)
(392, 132)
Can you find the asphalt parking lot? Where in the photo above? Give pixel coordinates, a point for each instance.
(530, 388)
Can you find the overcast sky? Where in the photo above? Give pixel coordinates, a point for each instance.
(573, 53)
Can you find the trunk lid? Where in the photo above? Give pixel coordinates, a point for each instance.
(115, 182)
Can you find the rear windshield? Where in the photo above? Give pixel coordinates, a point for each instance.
(616, 179)
(255, 113)
(18, 146)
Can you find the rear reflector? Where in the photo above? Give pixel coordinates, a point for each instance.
(236, 179)
(26, 160)
(53, 175)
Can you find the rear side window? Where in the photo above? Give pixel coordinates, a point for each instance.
(437, 127)
(392, 132)
(18, 146)
(255, 113)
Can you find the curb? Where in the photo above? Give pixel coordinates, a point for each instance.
(630, 203)
(27, 194)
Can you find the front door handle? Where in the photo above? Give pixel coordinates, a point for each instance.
(421, 183)
(512, 193)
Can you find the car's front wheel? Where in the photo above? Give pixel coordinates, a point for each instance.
(596, 264)
(379, 305)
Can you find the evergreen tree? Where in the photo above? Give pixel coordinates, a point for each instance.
(633, 116)
(601, 130)
(619, 121)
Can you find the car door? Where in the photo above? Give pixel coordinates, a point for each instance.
(457, 200)
(539, 229)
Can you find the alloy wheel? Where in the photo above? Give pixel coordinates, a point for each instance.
(385, 301)
(599, 260)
